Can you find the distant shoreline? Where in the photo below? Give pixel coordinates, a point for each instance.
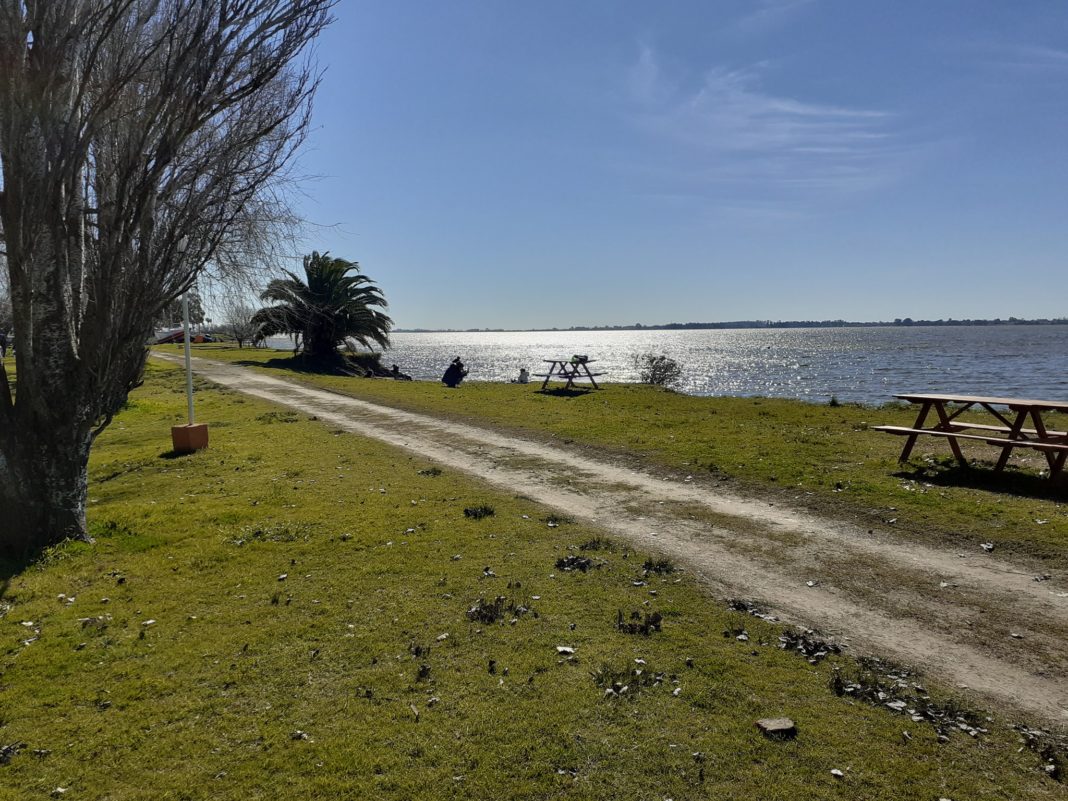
(906, 322)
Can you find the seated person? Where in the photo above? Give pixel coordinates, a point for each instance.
(524, 376)
(397, 374)
(454, 373)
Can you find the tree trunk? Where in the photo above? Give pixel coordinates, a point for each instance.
(45, 434)
(43, 487)
(69, 377)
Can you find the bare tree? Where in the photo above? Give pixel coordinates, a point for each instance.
(140, 142)
(237, 320)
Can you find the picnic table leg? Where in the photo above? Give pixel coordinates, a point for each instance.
(571, 377)
(548, 375)
(590, 375)
(920, 418)
(1040, 429)
(946, 424)
(1057, 465)
(1014, 433)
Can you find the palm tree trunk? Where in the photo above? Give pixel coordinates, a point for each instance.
(321, 345)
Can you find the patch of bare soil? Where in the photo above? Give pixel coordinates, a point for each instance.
(971, 618)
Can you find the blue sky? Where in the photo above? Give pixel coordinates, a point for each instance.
(517, 165)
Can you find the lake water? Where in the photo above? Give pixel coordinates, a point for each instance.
(867, 365)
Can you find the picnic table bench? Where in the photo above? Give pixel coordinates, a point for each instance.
(569, 370)
(1009, 432)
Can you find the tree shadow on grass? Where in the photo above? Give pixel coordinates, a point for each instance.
(1010, 481)
(302, 364)
(290, 364)
(12, 566)
(9, 568)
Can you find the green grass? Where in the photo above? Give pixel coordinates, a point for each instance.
(821, 457)
(301, 580)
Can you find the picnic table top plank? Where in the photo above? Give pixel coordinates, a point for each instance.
(1015, 403)
(568, 375)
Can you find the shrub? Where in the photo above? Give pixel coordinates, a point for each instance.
(638, 624)
(659, 566)
(660, 371)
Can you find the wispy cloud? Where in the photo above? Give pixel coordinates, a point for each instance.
(1023, 55)
(729, 135)
(770, 14)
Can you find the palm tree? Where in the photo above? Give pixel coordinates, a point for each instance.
(336, 304)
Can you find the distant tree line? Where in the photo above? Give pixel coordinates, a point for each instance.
(898, 321)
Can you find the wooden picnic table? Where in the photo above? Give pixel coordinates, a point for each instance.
(568, 370)
(1010, 430)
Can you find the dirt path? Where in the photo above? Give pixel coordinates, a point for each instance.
(972, 619)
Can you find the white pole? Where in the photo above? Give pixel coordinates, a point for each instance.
(188, 365)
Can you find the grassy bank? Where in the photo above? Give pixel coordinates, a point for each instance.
(818, 456)
(286, 616)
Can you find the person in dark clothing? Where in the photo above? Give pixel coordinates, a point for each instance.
(454, 373)
(3, 344)
(397, 374)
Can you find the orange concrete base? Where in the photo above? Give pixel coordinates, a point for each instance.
(187, 439)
